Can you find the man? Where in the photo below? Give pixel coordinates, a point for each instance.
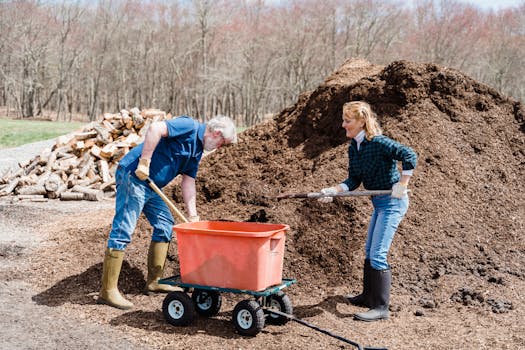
(170, 148)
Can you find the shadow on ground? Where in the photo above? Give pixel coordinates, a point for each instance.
(81, 289)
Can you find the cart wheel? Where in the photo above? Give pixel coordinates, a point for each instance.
(178, 309)
(248, 317)
(280, 302)
(207, 302)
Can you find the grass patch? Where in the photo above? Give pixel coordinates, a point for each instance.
(14, 133)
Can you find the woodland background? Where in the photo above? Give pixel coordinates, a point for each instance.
(245, 58)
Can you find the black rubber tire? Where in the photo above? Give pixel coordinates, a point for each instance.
(178, 309)
(207, 302)
(248, 318)
(280, 302)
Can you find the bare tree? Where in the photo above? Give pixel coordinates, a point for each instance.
(243, 58)
(66, 21)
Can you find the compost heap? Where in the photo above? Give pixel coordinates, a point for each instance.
(466, 214)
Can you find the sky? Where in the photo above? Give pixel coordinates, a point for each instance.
(494, 4)
(483, 4)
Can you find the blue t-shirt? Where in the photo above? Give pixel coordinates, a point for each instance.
(178, 153)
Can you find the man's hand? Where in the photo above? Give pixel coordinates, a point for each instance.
(142, 171)
(399, 190)
(328, 191)
(194, 218)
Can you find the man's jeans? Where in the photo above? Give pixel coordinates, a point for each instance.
(133, 197)
(388, 213)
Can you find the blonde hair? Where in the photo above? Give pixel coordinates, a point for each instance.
(362, 111)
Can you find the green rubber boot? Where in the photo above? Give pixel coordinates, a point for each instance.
(109, 293)
(156, 258)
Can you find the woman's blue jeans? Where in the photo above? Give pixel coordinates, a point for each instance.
(388, 213)
(133, 197)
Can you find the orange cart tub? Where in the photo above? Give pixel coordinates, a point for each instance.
(237, 255)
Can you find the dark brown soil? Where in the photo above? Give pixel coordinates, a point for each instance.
(467, 209)
(458, 258)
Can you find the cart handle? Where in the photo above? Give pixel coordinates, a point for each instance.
(324, 331)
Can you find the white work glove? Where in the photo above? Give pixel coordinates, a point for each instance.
(142, 171)
(328, 191)
(194, 218)
(399, 190)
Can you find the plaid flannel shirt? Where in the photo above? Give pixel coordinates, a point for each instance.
(375, 164)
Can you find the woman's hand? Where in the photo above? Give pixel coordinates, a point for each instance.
(399, 190)
(330, 191)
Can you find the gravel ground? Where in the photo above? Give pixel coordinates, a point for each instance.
(10, 157)
(25, 324)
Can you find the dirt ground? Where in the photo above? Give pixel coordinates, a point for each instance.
(458, 258)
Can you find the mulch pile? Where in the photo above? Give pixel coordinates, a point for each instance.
(467, 212)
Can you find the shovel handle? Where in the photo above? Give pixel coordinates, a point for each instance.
(180, 217)
(340, 194)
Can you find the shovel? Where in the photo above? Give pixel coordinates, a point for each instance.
(340, 194)
(180, 217)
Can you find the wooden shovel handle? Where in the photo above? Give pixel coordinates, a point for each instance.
(340, 194)
(180, 217)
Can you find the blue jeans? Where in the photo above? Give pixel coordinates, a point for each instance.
(133, 197)
(388, 213)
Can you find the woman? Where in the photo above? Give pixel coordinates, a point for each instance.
(372, 161)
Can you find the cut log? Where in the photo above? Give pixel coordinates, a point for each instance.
(150, 113)
(108, 116)
(10, 187)
(71, 196)
(43, 178)
(132, 140)
(36, 189)
(119, 154)
(56, 194)
(53, 183)
(128, 122)
(64, 149)
(44, 157)
(89, 194)
(107, 185)
(103, 169)
(63, 140)
(67, 163)
(138, 121)
(117, 125)
(31, 166)
(88, 157)
(108, 150)
(91, 173)
(145, 127)
(88, 182)
(96, 151)
(32, 197)
(28, 180)
(50, 161)
(84, 170)
(79, 145)
(90, 143)
(85, 135)
(103, 134)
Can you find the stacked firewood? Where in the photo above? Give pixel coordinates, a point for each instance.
(81, 165)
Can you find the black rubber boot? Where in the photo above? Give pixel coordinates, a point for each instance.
(363, 298)
(380, 281)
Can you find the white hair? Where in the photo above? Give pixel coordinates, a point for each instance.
(225, 125)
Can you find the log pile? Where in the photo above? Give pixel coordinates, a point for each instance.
(81, 165)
